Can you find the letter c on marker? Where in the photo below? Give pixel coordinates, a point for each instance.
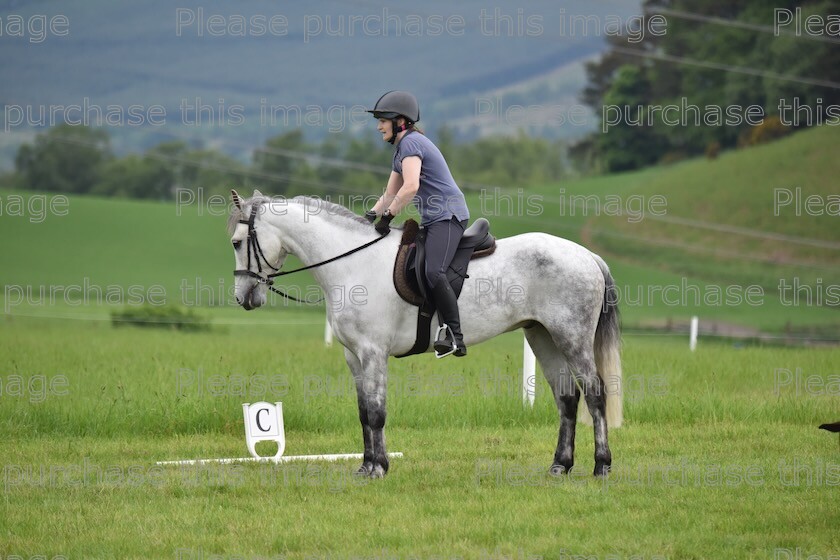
(259, 425)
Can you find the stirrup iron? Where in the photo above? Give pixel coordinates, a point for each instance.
(442, 328)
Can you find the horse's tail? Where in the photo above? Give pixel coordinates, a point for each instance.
(608, 349)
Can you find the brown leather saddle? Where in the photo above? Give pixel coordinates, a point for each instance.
(409, 276)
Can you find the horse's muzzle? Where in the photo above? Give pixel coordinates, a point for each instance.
(252, 299)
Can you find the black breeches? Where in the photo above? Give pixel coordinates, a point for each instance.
(442, 240)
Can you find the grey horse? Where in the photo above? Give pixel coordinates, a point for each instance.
(564, 300)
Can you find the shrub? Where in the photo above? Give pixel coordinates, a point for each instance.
(770, 129)
(164, 316)
(712, 149)
(672, 157)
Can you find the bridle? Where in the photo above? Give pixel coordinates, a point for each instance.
(259, 257)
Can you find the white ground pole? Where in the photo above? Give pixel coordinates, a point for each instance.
(284, 459)
(692, 338)
(529, 374)
(328, 333)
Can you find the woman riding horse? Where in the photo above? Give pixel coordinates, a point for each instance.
(420, 174)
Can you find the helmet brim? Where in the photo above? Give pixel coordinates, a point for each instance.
(383, 114)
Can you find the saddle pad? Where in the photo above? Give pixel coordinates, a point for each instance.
(402, 282)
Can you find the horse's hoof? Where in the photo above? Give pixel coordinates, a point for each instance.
(365, 469)
(559, 470)
(601, 469)
(378, 471)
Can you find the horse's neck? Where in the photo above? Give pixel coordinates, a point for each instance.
(314, 236)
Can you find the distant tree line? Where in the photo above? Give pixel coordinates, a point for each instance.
(79, 159)
(715, 53)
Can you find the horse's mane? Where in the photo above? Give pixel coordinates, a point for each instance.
(331, 208)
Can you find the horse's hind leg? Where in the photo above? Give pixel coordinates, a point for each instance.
(582, 364)
(566, 394)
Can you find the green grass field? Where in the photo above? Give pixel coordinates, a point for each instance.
(719, 457)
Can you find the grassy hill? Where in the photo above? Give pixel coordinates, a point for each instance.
(741, 211)
(718, 224)
(182, 252)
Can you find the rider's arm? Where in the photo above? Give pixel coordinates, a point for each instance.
(395, 182)
(410, 183)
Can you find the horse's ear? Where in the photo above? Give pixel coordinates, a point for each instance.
(257, 193)
(237, 200)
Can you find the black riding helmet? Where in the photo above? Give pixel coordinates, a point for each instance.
(396, 104)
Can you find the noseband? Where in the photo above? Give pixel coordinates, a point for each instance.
(255, 249)
(259, 257)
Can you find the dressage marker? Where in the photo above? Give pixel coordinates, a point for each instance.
(264, 422)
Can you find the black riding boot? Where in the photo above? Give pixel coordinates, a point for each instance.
(447, 308)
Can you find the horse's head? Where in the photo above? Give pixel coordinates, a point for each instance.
(257, 249)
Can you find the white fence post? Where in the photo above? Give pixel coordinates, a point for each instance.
(328, 333)
(529, 375)
(692, 340)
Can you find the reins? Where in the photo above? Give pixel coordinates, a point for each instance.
(254, 246)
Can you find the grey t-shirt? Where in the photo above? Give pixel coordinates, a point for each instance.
(438, 197)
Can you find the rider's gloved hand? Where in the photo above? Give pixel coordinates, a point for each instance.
(383, 226)
(370, 216)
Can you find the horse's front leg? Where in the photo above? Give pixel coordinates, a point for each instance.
(356, 369)
(370, 372)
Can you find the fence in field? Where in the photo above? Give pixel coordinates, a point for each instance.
(529, 360)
